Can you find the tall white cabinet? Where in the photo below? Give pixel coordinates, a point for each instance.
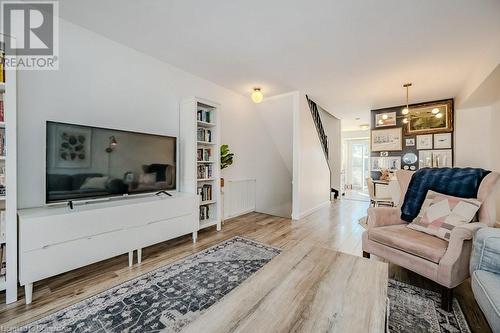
(8, 167)
(200, 157)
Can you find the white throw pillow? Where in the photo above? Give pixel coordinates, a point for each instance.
(98, 183)
(441, 213)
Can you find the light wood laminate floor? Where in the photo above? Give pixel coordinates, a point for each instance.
(335, 227)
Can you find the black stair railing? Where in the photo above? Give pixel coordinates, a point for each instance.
(319, 125)
(322, 138)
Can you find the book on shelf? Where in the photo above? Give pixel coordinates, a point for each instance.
(3, 266)
(204, 135)
(2, 66)
(2, 226)
(204, 116)
(205, 192)
(2, 113)
(2, 141)
(204, 154)
(204, 171)
(204, 212)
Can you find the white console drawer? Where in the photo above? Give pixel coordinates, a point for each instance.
(56, 259)
(50, 226)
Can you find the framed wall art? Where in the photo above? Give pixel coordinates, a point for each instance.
(425, 159)
(442, 158)
(385, 119)
(393, 163)
(430, 118)
(387, 139)
(442, 141)
(424, 141)
(378, 163)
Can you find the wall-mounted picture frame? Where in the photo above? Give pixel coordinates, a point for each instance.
(387, 139)
(410, 142)
(442, 141)
(424, 141)
(430, 118)
(393, 163)
(442, 158)
(378, 163)
(385, 119)
(425, 159)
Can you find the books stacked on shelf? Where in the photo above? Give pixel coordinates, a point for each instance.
(2, 226)
(205, 192)
(2, 243)
(204, 115)
(204, 171)
(204, 154)
(2, 64)
(3, 267)
(2, 112)
(204, 135)
(2, 141)
(204, 213)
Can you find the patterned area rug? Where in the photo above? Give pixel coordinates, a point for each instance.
(165, 299)
(414, 309)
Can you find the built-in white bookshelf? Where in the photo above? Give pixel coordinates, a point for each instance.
(200, 157)
(8, 180)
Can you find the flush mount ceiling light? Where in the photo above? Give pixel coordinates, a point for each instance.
(257, 95)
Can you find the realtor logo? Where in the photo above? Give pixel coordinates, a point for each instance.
(34, 27)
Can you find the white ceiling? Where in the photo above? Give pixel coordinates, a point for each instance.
(349, 55)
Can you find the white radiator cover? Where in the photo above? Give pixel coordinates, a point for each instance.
(239, 197)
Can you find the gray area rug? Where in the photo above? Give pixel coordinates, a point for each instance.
(415, 309)
(167, 299)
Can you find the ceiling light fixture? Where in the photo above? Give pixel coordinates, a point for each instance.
(364, 127)
(406, 110)
(257, 95)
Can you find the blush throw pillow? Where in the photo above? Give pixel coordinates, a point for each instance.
(441, 213)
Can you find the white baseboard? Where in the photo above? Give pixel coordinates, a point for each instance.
(310, 211)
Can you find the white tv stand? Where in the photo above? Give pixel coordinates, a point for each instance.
(54, 240)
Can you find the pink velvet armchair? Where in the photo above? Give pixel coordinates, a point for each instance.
(446, 263)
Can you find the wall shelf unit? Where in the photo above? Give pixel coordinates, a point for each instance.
(200, 157)
(8, 179)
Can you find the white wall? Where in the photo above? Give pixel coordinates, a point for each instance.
(311, 176)
(473, 137)
(495, 148)
(276, 115)
(332, 129)
(101, 82)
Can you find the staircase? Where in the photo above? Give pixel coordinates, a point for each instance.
(322, 137)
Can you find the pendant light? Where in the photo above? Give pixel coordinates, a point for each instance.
(406, 110)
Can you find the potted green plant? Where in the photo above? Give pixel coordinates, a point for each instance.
(226, 159)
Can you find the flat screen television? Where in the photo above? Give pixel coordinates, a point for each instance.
(85, 162)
